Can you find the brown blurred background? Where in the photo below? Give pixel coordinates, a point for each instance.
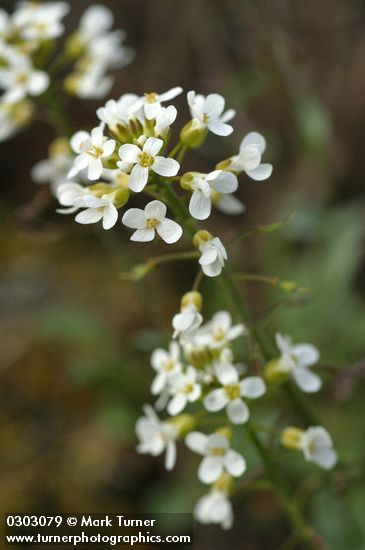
(76, 338)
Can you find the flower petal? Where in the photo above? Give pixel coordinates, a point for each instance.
(155, 209)
(129, 153)
(110, 216)
(197, 442)
(237, 411)
(143, 235)
(152, 146)
(200, 206)
(134, 218)
(225, 182)
(220, 128)
(261, 173)
(307, 380)
(226, 374)
(138, 178)
(252, 387)
(256, 139)
(90, 215)
(169, 231)
(210, 469)
(170, 94)
(214, 105)
(177, 404)
(216, 400)
(234, 463)
(167, 167)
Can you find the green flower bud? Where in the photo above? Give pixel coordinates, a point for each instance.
(275, 372)
(200, 237)
(192, 298)
(291, 438)
(183, 424)
(121, 197)
(193, 134)
(75, 46)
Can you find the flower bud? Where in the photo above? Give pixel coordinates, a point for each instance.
(193, 134)
(275, 372)
(224, 164)
(75, 46)
(183, 424)
(291, 438)
(200, 237)
(192, 298)
(226, 432)
(121, 197)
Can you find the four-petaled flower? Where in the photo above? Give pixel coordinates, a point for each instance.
(185, 389)
(155, 436)
(231, 393)
(97, 209)
(249, 158)
(151, 102)
(165, 363)
(91, 149)
(151, 220)
(218, 457)
(204, 186)
(317, 447)
(213, 256)
(219, 331)
(214, 507)
(209, 112)
(295, 360)
(146, 159)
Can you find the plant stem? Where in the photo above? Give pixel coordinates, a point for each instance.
(172, 257)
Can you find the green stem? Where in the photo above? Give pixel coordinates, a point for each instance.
(153, 262)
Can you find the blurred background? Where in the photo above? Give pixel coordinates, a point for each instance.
(76, 338)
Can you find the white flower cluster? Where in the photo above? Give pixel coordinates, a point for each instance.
(197, 375)
(28, 40)
(129, 153)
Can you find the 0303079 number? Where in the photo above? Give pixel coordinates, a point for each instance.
(33, 521)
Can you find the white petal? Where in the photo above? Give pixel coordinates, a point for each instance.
(237, 411)
(307, 380)
(170, 459)
(325, 457)
(260, 173)
(228, 115)
(227, 374)
(306, 354)
(134, 218)
(229, 205)
(170, 94)
(197, 442)
(143, 235)
(169, 231)
(91, 215)
(212, 270)
(129, 153)
(152, 146)
(110, 216)
(225, 182)
(138, 178)
(155, 209)
(167, 167)
(200, 206)
(252, 387)
(210, 469)
(220, 128)
(38, 82)
(95, 169)
(79, 140)
(108, 148)
(249, 158)
(216, 400)
(234, 463)
(177, 404)
(256, 139)
(214, 105)
(151, 110)
(208, 256)
(158, 383)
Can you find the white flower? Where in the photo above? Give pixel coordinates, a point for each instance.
(249, 157)
(54, 169)
(186, 323)
(203, 186)
(164, 118)
(20, 79)
(185, 389)
(151, 102)
(68, 194)
(147, 159)
(295, 360)
(219, 331)
(117, 112)
(155, 436)
(108, 50)
(317, 446)
(218, 457)
(231, 392)
(91, 82)
(209, 112)
(214, 507)
(8, 125)
(91, 149)
(151, 220)
(42, 22)
(97, 209)
(165, 363)
(213, 256)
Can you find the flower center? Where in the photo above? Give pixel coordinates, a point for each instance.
(219, 335)
(217, 451)
(145, 160)
(151, 97)
(232, 391)
(95, 152)
(188, 388)
(152, 223)
(22, 78)
(169, 365)
(205, 118)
